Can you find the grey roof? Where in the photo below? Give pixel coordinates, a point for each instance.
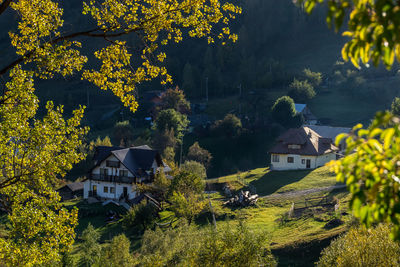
(299, 107)
(73, 186)
(310, 143)
(135, 159)
(102, 152)
(329, 131)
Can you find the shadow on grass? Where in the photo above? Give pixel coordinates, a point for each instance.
(274, 180)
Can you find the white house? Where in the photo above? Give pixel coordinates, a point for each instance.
(117, 171)
(309, 118)
(302, 148)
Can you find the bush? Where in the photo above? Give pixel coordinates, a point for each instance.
(301, 91)
(142, 215)
(283, 111)
(362, 247)
(199, 154)
(230, 126)
(116, 253)
(195, 167)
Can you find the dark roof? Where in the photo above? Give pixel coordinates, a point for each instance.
(310, 142)
(73, 186)
(102, 152)
(135, 159)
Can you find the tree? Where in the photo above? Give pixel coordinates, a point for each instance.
(164, 140)
(175, 99)
(34, 152)
(99, 142)
(199, 154)
(194, 167)
(187, 206)
(91, 249)
(370, 37)
(235, 247)
(117, 253)
(362, 247)
(187, 183)
(301, 91)
(283, 111)
(123, 133)
(188, 83)
(161, 183)
(168, 120)
(230, 126)
(395, 107)
(315, 78)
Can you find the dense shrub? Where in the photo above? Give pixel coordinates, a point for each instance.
(230, 126)
(283, 111)
(199, 154)
(301, 91)
(362, 247)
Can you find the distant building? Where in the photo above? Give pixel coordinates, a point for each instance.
(309, 118)
(331, 132)
(302, 148)
(117, 171)
(71, 191)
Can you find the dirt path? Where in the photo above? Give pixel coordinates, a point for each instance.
(303, 192)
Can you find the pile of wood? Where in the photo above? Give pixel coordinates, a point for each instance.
(244, 199)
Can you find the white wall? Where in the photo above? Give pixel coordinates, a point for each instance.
(316, 161)
(111, 171)
(119, 189)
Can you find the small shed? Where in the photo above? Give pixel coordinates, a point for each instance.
(71, 191)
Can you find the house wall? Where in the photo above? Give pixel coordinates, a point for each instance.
(119, 189)
(316, 161)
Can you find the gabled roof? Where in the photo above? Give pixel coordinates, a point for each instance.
(329, 131)
(135, 159)
(299, 107)
(73, 186)
(310, 142)
(102, 152)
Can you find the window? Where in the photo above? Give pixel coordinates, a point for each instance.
(294, 146)
(103, 172)
(290, 159)
(105, 190)
(112, 164)
(303, 161)
(123, 173)
(112, 190)
(275, 158)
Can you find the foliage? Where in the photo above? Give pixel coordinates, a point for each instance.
(362, 247)
(164, 140)
(187, 206)
(169, 154)
(175, 99)
(199, 154)
(116, 253)
(283, 111)
(171, 247)
(371, 172)
(34, 153)
(142, 215)
(187, 183)
(301, 91)
(230, 126)
(161, 183)
(189, 246)
(371, 37)
(91, 249)
(170, 119)
(99, 142)
(315, 78)
(238, 247)
(194, 167)
(395, 107)
(123, 133)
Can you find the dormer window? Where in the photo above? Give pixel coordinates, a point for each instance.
(112, 164)
(294, 146)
